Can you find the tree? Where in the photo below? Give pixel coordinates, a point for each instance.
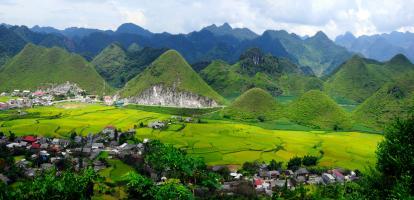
(172, 189)
(138, 186)
(73, 135)
(12, 136)
(294, 163)
(1, 134)
(273, 165)
(395, 156)
(309, 160)
(250, 168)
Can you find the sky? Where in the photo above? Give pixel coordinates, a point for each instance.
(303, 17)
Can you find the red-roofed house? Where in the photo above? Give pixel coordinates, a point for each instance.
(35, 146)
(29, 139)
(258, 182)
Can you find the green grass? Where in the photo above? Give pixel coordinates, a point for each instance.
(37, 66)
(6, 98)
(217, 141)
(170, 70)
(118, 170)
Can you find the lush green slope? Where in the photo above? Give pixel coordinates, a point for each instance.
(317, 52)
(118, 66)
(109, 62)
(254, 104)
(392, 100)
(171, 70)
(316, 109)
(359, 78)
(38, 66)
(278, 76)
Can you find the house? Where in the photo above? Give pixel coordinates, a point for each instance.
(339, 177)
(236, 175)
(315, 180)
(288, 173)
(55, 141)
(29, 139)
(98, 146)
(328, 178)
(258, 182)
(188, 119)
(302, 172)
(282, 183)
(156, 125)
(77, 139)
(109, 131)
(4, 106)
(108, 100)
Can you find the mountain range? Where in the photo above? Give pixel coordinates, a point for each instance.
(213, 42)
(381, 47)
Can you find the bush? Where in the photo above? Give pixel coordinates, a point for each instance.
(294, 163)
(309, 160)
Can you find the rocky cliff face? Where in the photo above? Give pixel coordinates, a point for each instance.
(167, 96)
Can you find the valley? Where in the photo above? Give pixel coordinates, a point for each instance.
(217, 141)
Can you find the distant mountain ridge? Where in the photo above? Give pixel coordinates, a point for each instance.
(210, 43)
(381, 47)
(226, 29)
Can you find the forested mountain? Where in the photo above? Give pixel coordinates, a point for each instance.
(256, 69)
(117, 66)
(211, 43)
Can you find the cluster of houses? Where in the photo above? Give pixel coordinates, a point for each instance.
(266, 181)
(80, 151)
(46, 97)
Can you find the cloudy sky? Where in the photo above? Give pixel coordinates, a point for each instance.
(304, 17)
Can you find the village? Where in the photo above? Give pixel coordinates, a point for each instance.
(66, 92)
(77, 152)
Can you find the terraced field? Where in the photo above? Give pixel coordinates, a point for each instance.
(218, 142)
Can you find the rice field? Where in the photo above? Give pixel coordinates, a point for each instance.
(218, 142)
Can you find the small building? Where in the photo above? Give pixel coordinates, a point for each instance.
(29, 139)
(328, 178)
(156, 125)
(339, 177)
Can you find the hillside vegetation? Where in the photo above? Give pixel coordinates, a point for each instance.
(392, 100)
(359, 78)
(255, 104)
(170, 70)
(37, 66)
(117, 66)
(318, 110)
(278, 76)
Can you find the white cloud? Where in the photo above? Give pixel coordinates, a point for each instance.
(181, 16)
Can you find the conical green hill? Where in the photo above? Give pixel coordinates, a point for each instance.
(254, 104)
(37, 66)
(318, 110)
(171, 71)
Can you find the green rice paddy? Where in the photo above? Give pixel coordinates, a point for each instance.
(218, 142)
